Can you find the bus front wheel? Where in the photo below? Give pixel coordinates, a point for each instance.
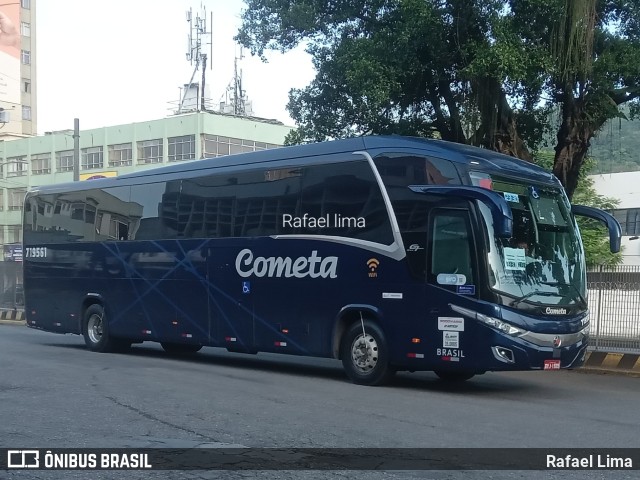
(95, 330)
(365, 354)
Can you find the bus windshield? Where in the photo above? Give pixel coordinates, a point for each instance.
(542, 263)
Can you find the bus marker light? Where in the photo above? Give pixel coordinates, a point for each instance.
(486, 183)
(146, 332)
(450, 359)
(33, 322)
(415, 355)
(285, 330)
(280, 344)
(57, 324)
(174, 323)
(415, 340)
(187, 335)
(230, 339)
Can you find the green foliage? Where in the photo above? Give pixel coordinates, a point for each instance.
(482, 72)
(595, 236)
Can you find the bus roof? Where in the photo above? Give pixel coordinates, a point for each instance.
(459, 153)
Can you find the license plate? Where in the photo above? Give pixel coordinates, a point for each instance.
(552, 364)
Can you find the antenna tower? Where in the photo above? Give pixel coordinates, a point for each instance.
(238, 95)
(235, 96)
(198, 33)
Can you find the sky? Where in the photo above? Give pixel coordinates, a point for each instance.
(112, 62)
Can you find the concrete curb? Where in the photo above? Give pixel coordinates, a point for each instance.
(626, 363)
(12, 322)
(12, 317)
(11, 314)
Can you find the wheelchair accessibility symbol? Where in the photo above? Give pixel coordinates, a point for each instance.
(246, 287)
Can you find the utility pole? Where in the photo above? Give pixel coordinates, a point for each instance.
(76, 149)
(202, 97)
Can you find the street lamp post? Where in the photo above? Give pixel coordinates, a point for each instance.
(76, 149)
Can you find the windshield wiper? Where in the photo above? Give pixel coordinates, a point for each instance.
(531, 294)
(562, 284)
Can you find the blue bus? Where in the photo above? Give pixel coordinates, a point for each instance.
(388, 253)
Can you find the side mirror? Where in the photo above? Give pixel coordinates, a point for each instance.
(615, 232)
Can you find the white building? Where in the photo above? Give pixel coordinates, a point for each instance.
(18, 70)
(625, 187)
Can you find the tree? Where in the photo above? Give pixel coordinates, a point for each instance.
(594, 73)
(483, 72)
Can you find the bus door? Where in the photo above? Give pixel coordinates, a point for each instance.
(230, 301)
(451, 277)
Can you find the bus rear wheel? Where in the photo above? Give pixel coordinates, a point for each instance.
(454, 376)
(95, 330)
(180, 348)
(365, 354)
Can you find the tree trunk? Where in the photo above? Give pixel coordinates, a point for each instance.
(498, 130)
(574, 138)
(506, 138)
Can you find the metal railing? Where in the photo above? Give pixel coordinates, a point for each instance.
(11, 292)
(614, 303)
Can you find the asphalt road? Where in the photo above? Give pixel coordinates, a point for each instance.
(55, 394)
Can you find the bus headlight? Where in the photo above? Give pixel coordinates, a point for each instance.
(493, 322)
(500, 325)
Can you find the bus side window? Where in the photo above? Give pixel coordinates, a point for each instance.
(450, 245)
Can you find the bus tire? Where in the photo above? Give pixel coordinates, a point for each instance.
(448, 376)
(365, 358)
(180, 348)
(95, 330)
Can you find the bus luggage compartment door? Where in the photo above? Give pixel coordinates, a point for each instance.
(230, 302)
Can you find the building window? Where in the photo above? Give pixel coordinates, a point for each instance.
(629, 219)
(16, 198)
(217, 146)
(25, 29)
(182, 148)
(120, 155)
(16, 166)
(26, 57)
(27, 86)
(41, 164)
(1, 202)
(64, 161)
(92, 158)
(25, 4)
(150, 151)
(15, 234)
(26, 112)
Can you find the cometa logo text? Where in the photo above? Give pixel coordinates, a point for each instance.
(312, 266)
(555, 311)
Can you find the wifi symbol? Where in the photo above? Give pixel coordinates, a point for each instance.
(373, 263)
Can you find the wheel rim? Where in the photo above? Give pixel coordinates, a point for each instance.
(94, 328)
(364, 353)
